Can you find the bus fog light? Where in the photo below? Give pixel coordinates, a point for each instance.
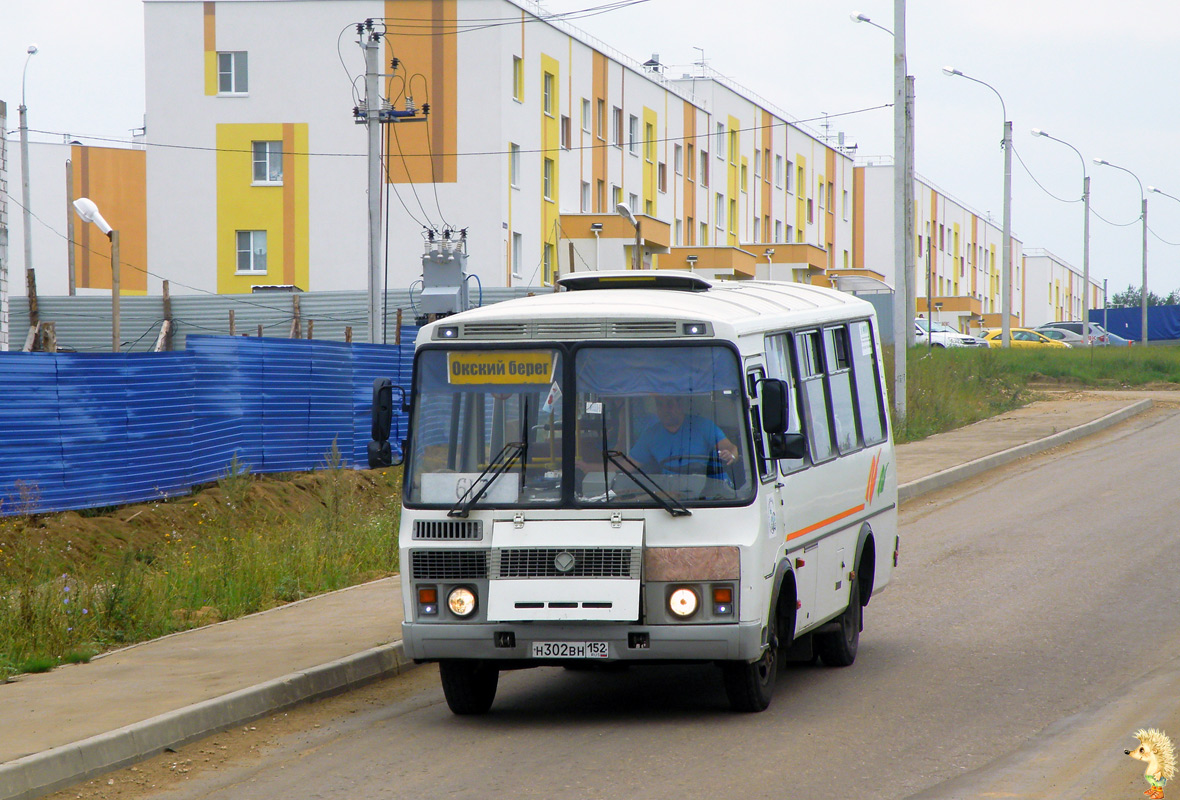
(722, 600)
(461, 601)
(428, 600)
(683, 602)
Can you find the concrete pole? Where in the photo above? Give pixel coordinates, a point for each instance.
(27, 214)
(911, 266)
(902, 308)
(1006, 275)
(1086, 259)
(372, 44)
(1143, 291)
(114, 291)
(638, 256)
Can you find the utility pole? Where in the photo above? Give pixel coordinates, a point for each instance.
(373, 115)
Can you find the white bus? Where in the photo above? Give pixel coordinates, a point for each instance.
(647, 467)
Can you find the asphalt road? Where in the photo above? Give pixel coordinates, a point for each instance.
(1033, 624)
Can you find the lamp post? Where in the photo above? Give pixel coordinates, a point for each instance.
(1006, 261)
(24, 163)
(905, 286)
(88, 211)
(1143, 216)
(637, 255)
(1085, 236)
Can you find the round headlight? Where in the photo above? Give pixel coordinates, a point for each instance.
(461, 601)
(683, 602)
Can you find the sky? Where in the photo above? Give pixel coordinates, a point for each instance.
(1101, 76)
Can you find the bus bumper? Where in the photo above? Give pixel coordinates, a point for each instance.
(738, 641)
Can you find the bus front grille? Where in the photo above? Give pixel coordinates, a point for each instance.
(571, 562)
(449, 565)
(448, 529)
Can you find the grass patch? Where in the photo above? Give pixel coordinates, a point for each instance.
(243, 545)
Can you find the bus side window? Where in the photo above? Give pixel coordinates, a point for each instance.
(870, 400)
(839, 369)
(765, 465)
(809, 354)
(778, 365)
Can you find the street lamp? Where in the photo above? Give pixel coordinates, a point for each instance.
(24, 163)
(905, 294)
(1085, 235)
(1006, 274)
(1143, 216)
(637, 256)
(88, 211)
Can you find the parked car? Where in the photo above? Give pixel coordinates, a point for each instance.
(1022, 337)
(1102, 337)
(1062, 335)
(937, 334)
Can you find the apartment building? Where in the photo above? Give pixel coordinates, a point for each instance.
(1054, 289)
(536, 133)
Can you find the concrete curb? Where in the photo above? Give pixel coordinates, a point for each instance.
(947, 477)
(41, 773)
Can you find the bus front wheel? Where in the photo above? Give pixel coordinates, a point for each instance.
(469, 686)
(750, 685)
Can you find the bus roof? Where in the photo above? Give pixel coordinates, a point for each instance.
(590, 308)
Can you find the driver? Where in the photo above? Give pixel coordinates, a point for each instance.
(678, 438)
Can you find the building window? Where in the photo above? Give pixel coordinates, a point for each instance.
(547, 85)
(678, 159)
(566, 134)
(585, 197)
(757, 230)
(633, 202)
(600, 197)
(251, 252)
(633, 135)
(601, 123)
(733, 147)
(704, 235)
(778, 230)
(518, 79)
(268, 162)
(719, 211)
(688, 230)
(514, 165)
(231, 73)
(705, 168)
(585, 115)
(616, 196)
(720, 145)
(662, 176)
(810, 211)
(778, 172)
(733, 216)
(649, 142)
(676, 240)
(743, 172)
(766, 164)
(617, 119)
(691, 163)
(844, 205)
(549, 260)
(547, 179)
(649, 208)
(517, 253)
(801, 183)
(757, 164)
(821, 194)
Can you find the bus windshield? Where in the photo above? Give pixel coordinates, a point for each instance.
(656, 426)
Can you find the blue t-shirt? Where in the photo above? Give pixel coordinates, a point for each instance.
(696, 436)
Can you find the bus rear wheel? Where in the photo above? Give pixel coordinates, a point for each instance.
(750, 685)
(838, 648)
(469, 686)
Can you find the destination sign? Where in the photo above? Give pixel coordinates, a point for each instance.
(499, 367)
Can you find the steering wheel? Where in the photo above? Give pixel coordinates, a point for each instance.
(690, 464)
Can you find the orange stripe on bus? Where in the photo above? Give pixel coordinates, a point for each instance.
(828, 521)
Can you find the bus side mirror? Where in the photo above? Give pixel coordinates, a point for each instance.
(776, 414)
(380, 452)
(787, 445)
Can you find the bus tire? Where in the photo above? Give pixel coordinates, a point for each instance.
(838, 648)
(749, 685)
(469, 686)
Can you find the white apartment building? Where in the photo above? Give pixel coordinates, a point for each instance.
(256, 171)
(1054, 289)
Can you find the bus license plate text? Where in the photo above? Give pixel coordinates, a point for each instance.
(571, 650)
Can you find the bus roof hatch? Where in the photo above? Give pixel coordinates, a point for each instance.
(676, 280)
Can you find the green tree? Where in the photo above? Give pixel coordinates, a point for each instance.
(1130, 298)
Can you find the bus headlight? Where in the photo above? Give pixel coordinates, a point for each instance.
(683, 602)
(461, 601)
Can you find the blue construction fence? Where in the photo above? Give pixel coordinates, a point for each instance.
(1163, 322)
(88, 430)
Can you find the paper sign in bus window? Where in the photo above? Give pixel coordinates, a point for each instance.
(484, 367)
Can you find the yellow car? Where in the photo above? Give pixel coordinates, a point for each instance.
(1021, 337)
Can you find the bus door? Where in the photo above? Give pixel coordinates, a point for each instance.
(771, 494)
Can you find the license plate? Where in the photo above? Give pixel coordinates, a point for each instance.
(571, 650)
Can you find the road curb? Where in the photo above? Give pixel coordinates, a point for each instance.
(948, 477)
(41, 773)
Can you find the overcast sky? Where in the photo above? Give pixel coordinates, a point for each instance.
(1101, 75)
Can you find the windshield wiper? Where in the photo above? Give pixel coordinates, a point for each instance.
(657, 492)
(498, 466)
